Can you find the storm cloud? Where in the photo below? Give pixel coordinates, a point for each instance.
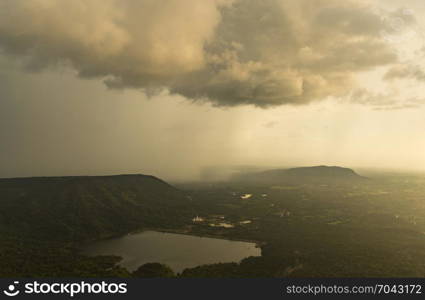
(226, 52)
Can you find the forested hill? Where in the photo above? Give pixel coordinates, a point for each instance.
(84, 208)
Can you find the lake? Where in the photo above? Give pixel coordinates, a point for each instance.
(179, 251)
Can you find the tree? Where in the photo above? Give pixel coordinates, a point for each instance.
(153, 270)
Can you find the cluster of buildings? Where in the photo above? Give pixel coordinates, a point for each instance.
(218, 221)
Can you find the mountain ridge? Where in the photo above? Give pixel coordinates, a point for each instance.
(320, 173)
(86, 207)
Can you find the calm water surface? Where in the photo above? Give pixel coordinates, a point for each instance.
(179, 251)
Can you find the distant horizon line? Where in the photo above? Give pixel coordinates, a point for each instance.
(367, 169)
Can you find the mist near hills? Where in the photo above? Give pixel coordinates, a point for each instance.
(84, 207)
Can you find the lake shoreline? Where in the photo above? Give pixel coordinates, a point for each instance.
(182, 231)
(258, 244)
(178, 248)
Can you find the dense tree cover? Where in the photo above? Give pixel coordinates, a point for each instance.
(153, 270)
(373, 228)
(43, 220)
(250, 267)
(84, 208)
(32, 258)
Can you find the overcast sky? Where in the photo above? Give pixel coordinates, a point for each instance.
(170, 87)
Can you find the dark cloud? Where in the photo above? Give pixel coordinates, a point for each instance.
(264, 53)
